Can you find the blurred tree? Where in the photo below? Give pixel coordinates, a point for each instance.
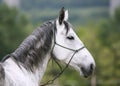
(12, 29)
(37, 4)
(110, 38)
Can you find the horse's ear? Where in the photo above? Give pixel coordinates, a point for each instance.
(66, 15)
(61, 16)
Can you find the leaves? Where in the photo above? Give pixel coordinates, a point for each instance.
(13, 29)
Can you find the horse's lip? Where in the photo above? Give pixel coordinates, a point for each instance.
(86, 73)
(86, 76)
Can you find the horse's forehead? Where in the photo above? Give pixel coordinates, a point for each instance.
(68, 27)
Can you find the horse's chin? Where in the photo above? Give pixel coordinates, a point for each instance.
(84, 75)
(80, 71)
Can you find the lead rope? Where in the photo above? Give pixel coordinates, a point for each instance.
(62, 70)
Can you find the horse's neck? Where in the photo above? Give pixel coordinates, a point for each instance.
(31, 57)
(19, 76)
(43, 67)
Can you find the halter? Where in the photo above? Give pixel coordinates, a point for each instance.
(62, 70)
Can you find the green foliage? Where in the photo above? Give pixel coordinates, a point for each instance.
(12, 29)
(110, 39)
(117, 15)
(109, 32)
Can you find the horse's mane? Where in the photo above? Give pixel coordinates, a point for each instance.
(35, 47)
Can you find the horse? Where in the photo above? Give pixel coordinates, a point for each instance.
(53, 39)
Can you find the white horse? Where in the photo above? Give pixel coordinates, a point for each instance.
(54, 39)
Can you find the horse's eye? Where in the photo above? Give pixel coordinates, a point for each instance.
(70, 37)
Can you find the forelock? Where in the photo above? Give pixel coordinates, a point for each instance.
(67, 26)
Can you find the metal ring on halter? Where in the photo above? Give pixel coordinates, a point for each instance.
(62, 70)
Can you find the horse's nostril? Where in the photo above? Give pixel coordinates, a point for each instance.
(91, 66)
(82, 68)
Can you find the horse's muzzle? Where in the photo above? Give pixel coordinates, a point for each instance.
(88, 71)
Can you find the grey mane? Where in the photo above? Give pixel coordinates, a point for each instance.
(35, 47)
